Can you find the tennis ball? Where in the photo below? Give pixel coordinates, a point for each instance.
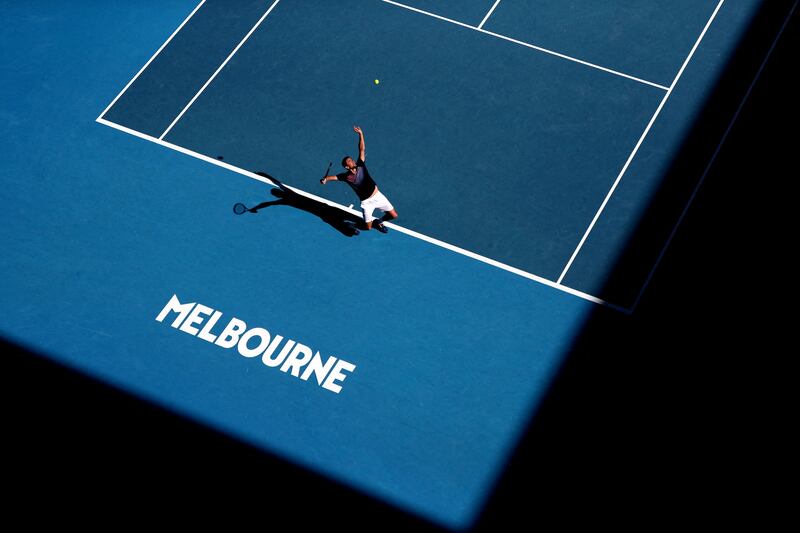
(377, 82)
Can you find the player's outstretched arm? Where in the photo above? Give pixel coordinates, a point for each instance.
(362, 149)
(326, 179)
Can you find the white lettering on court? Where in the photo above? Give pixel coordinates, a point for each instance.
(293, 359)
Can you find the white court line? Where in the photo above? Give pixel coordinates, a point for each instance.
(207, 83)
(114, 101)
(401, 229)
(713, 158)
(489, 14)
(638, 144)
(528, 45)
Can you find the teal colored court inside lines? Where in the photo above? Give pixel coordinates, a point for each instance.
(527, 248)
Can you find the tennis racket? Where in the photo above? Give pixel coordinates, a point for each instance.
(239, 208)
(322, 179)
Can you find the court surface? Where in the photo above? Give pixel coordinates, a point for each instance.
(522, 144)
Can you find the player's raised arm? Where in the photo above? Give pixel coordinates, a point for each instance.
(362, 150)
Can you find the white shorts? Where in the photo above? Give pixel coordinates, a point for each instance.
(376, 201)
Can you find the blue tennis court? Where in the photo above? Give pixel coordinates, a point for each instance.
(495, 147)
(521, 143)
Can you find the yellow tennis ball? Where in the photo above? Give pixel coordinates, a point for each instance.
(377, 82)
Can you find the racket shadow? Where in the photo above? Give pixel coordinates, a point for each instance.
(345, 223)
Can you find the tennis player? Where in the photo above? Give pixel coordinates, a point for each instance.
(357, 176)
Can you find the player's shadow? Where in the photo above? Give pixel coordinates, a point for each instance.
(340, 220)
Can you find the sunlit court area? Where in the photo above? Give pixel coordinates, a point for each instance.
(373, 247)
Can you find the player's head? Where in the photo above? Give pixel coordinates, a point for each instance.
(348, 163)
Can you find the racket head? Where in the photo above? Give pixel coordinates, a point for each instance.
(239, 208)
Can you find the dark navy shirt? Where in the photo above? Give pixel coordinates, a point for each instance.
(361, 182)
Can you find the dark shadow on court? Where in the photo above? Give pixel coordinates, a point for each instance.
(345, 223)
(73, 441)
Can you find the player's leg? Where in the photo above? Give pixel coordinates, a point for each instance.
(389, 213)
(367, 208)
